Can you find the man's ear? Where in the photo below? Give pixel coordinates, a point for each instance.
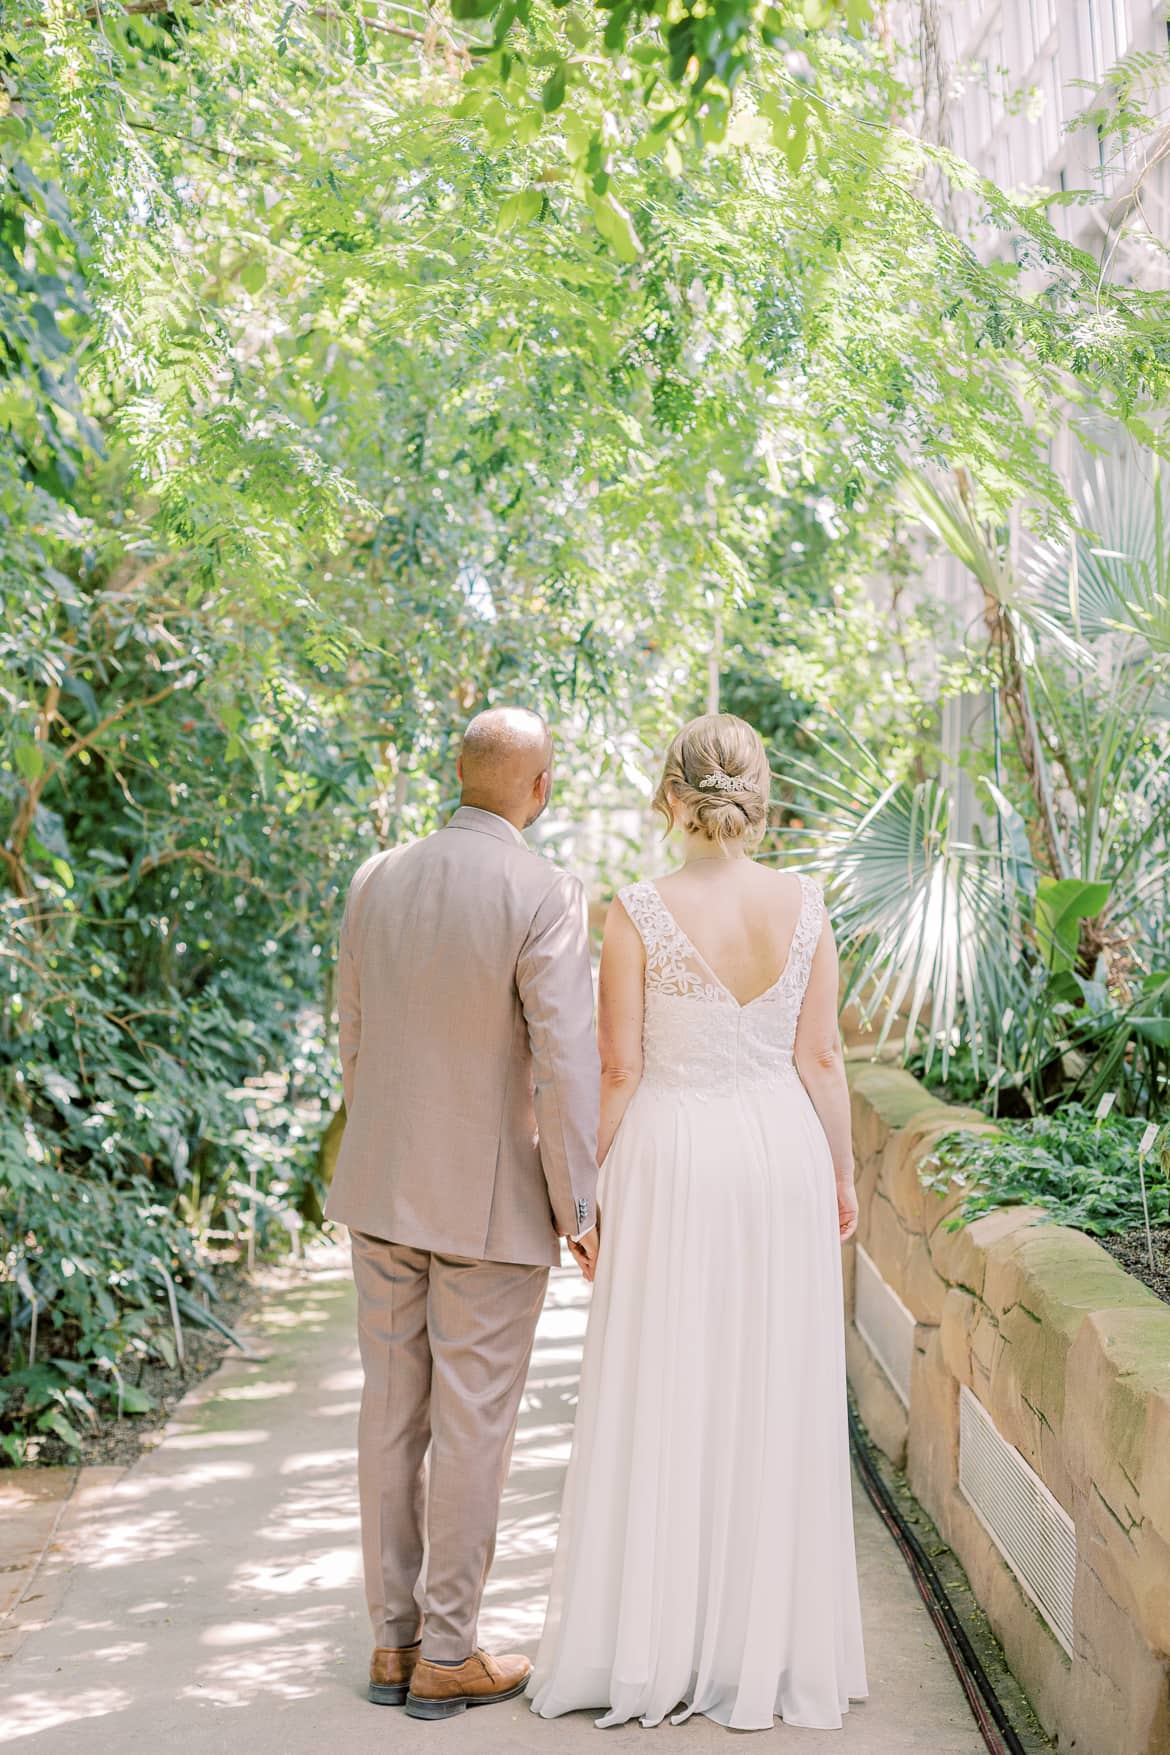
(544, 787)
(459, 769)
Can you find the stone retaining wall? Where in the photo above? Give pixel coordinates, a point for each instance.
(1070, 1356)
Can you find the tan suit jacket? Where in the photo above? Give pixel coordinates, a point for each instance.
(468, 1057)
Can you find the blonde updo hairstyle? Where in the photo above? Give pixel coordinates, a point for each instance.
(729, 756)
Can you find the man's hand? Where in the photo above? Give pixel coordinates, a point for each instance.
(584, 1252)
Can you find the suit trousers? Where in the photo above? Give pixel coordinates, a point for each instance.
(445, 1344)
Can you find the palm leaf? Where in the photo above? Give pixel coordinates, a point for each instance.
(1111, 575)
(924, 921)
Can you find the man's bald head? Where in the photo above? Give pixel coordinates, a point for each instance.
(505, 764)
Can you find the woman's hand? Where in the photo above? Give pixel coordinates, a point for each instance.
(846, 1208)
(585, 1250)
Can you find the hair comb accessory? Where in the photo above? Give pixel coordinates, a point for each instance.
(721, 782)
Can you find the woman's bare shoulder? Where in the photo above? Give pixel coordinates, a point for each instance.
(778, 881)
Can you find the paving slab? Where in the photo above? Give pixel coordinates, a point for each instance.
(209, 1600)
(31, 1503)
(41, 1511)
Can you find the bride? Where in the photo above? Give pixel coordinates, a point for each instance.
(705, 1560)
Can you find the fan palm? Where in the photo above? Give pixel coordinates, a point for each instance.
(917, 909)
(1111, 576)
(1039, 951)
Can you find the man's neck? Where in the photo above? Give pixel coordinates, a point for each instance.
(493, 810)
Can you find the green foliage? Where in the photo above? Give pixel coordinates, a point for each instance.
(1110, 575)
(105, 1090)
(1036, 942)
(88, 1269)
(1079, 1039)
(694, 55)
(921, 915)
(162, 947)
(1084, 1173)
(353, 375)
(821, 645)
(1061, 905)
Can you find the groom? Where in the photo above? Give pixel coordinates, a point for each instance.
(471, 1088)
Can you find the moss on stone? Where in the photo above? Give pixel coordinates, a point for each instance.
(894, 1093)
(1071, 1357)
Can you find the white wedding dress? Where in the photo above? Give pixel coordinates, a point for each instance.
(705, 1561)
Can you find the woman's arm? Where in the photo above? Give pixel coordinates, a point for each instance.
(619, 1021)
(821, 1064)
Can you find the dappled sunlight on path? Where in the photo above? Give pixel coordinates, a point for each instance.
(216, 1603)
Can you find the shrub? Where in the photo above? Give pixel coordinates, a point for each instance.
(95, 1279)
(1083, 1172)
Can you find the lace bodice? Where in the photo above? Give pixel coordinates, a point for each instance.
(696, 1036)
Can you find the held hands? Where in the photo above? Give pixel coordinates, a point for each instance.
(584, 1252)
(846, 1208)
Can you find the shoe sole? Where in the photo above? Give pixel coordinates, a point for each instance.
(432, 1709)
(387, 1693)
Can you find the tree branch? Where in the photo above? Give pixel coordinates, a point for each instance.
(152, 9)
(91, 737)
(206, 862)
(23, 820)
(15, 867)
(375, 24)
(215, 153)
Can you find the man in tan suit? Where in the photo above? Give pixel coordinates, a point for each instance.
(471, 1087)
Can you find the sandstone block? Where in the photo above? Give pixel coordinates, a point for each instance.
(887, 1242)
(1071, 1357)
(922, 1291)
(933, 1445)
(961, 1318)
(1117, 1700)
(1155, 1465)
(961, 1256)
(893, 1093)
(849, 1277)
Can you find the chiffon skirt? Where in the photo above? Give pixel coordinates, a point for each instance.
(705, 1561)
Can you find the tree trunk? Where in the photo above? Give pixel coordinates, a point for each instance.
(1014, 685)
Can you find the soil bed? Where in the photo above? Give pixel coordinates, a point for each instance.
(1129, 1248)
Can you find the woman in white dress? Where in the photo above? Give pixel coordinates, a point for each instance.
(705, 1561)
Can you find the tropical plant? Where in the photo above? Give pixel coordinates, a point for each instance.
(1043, 949)
(1082, 1171)
(914, 907)
(96, 1280)
(353, 374)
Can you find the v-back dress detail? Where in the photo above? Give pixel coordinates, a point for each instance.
(705, 1560)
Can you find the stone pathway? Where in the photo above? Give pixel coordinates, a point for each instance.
(32, 1507)
(209, 1600)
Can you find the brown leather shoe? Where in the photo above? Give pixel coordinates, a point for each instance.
(442, 1690)
(391, 1668)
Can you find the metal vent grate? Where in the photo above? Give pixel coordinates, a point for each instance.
(1031, 1529)
(884, 1324)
